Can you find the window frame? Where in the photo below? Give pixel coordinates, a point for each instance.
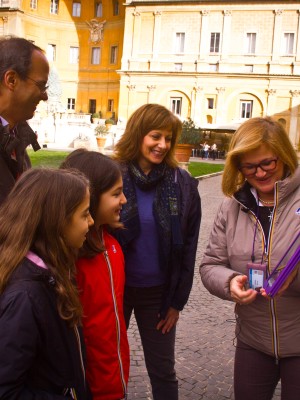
(176, 105)
(215, 41)
(78, 7)
(71, 103)
(71, 56)
(94, 59)
(97, 5)
(179, 42)
(54, 6)
(33, 4)
(287, 49)
(113, 56)
(244, 111)
(251, 42)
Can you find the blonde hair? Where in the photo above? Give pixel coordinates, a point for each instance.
(250, 136)
(33, 217)
(145, 119)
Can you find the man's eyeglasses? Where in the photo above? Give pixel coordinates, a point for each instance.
(266, 165)
(42, 86)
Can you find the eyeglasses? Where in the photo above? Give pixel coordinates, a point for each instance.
(42, 86)
(266, 165)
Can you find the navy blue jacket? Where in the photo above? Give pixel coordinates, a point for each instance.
(40, 355)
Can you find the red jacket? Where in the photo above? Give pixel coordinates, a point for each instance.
(101, 284)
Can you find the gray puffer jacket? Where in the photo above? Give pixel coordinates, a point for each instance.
(272, 327)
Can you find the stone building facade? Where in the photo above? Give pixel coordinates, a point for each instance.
(214, 61)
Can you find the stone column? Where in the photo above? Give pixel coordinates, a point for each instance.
(151, 94)
(226, 34)
(156, 35)
(131, 100)
(220, 105)
(294, 128)
(276, 45)
(204, 38)
(136, 33)
(196, 104)
(271, 101)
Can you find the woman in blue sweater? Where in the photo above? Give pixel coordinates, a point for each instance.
(161, 221)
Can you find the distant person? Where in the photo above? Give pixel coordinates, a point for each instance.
(101, 278)
(24, 73)
(253, 228)
(43, 222)
(161, 224)
(214, 151)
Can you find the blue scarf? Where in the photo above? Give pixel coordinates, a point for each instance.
(165, 207)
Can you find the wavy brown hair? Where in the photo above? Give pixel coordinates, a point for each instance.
(145, 119)
(102, 173)
(33, 217)
(250, 136)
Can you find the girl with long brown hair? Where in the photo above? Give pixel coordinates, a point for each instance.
(42, 223)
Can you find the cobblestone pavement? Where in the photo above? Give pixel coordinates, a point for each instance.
(205, 331)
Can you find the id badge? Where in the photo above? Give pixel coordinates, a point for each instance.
(256, 275)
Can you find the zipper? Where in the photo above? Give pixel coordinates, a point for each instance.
(80, 353)
(266, 256)
(118, 325)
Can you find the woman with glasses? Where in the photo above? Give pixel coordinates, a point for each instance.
(253, 228)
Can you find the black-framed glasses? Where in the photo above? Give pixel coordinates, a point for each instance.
(42, 86)
(266, 165)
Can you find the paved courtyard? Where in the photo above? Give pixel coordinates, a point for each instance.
(205, 331)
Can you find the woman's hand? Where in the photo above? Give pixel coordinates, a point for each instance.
(239, 293)
(169, 322)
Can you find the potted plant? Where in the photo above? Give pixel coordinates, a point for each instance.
(101, 132)
(95, 118)
(190, 137)
(109, 122)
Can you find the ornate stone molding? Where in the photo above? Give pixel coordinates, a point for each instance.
(227, 13)
(96, 30)
(271, 92)
(295, 93)
(205, 12)
(157, 13)
(220, 90)
(151, 87)
(131, 88)
(278, 12)
(136, 14)
(198, 89)
(5, 19)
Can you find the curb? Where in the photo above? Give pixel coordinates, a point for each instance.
(199, 178)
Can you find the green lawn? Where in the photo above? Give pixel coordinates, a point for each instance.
(47, 158)
(53, 158)
(202, 168)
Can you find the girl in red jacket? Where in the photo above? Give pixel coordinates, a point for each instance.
(101, 277)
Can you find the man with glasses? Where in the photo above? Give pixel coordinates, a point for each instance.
(24, 72)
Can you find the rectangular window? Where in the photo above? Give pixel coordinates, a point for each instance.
(246, 109)
(98, 9)
(110, 105)
(250, 43)
(249, 68)
(179, 42)
(215, 42)
(116, 8)
(175, 105)
(213, 67)
(92, 106)
(178, 66)
(33, 4)
(113, 54)
(74, 55)
(288, 43)
(76, 10)
(96, 55)
(54, 6)
(210, 103)
(71, 104)
(51, 52)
